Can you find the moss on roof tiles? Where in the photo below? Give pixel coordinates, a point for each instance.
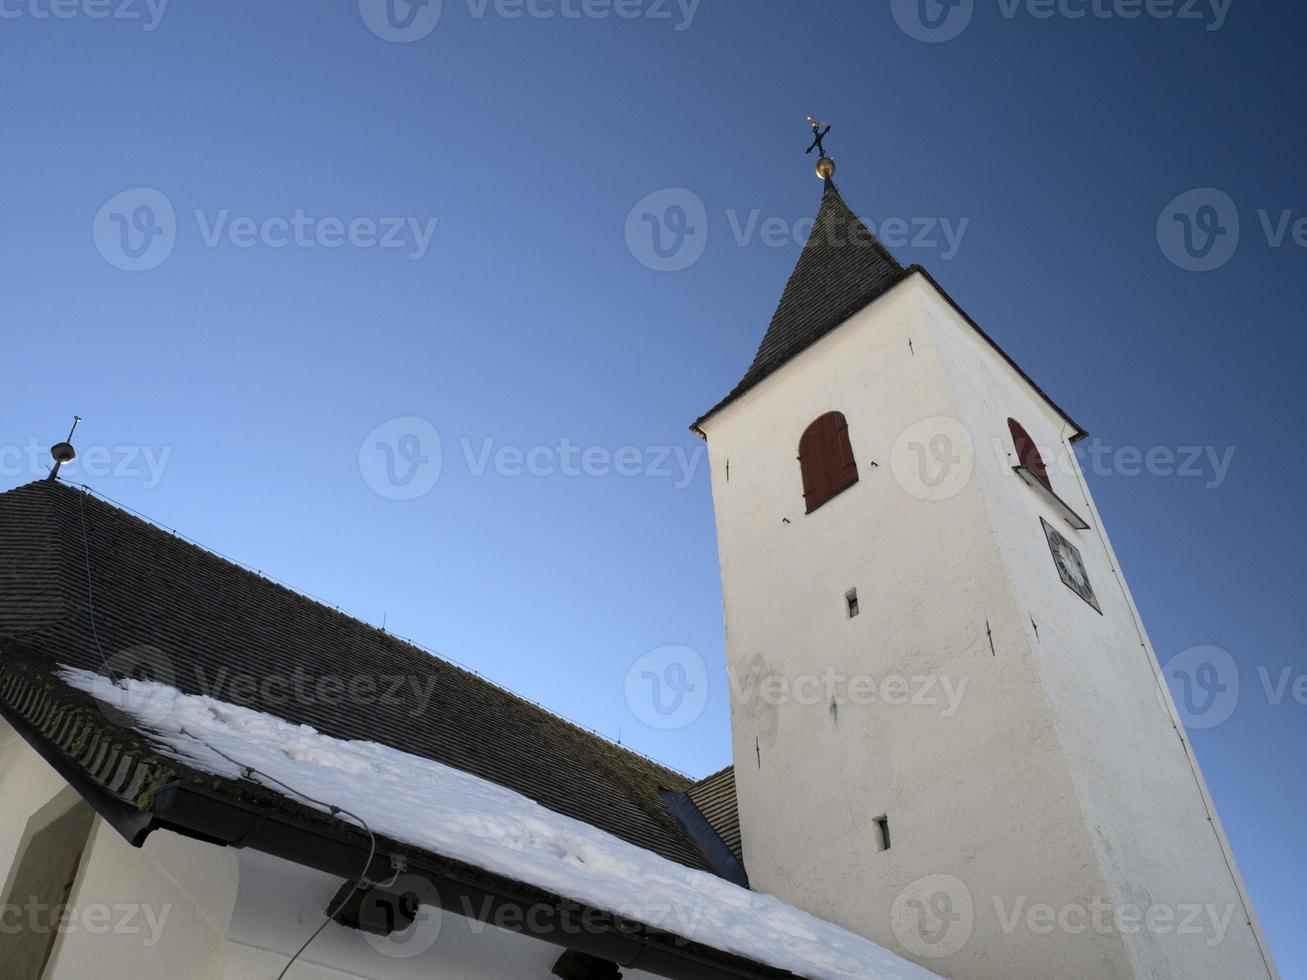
(204, 621)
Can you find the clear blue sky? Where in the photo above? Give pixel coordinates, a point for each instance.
(528, 320)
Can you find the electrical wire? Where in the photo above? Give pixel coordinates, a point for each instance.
(90, 591)
(248, 771)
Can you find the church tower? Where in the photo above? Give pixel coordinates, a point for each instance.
(951, 733)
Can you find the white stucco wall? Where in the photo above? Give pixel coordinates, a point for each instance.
(990, 789)
(1136, 778)
(151, 924)
(27, 784)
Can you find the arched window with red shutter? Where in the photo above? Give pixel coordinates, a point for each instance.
(1028, 453)
(826, 460)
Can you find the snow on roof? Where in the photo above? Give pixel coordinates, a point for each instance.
(460, 816)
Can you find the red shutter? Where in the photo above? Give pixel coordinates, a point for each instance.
(812, 452)
(826, 460)
(1028, 453)
(844, 468)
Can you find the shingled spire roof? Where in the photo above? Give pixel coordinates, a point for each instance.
(842, 269)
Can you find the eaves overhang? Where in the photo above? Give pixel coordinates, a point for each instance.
(138, 791)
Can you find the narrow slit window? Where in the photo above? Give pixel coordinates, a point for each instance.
(882, 833)
(851, 601)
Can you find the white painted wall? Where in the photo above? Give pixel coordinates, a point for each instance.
(27, 784)
(150, 924)
(228, 914)
(1136, 777)
(1011, 794)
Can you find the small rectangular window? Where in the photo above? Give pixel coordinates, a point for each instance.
(851, 600)
(882, 833)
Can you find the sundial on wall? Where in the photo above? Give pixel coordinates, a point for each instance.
(1070, 566)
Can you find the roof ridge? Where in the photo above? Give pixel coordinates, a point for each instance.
(716, 775)
(303, 596)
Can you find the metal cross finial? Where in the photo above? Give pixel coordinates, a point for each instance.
(819, 131)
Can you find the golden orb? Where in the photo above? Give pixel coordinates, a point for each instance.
(825, 168)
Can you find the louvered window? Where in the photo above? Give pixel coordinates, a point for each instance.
(826, 460)
(1028, 453)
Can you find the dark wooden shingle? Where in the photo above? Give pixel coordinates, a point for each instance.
(208, 626)
(842, 269)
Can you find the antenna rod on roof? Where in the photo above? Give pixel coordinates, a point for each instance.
(63, 452)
